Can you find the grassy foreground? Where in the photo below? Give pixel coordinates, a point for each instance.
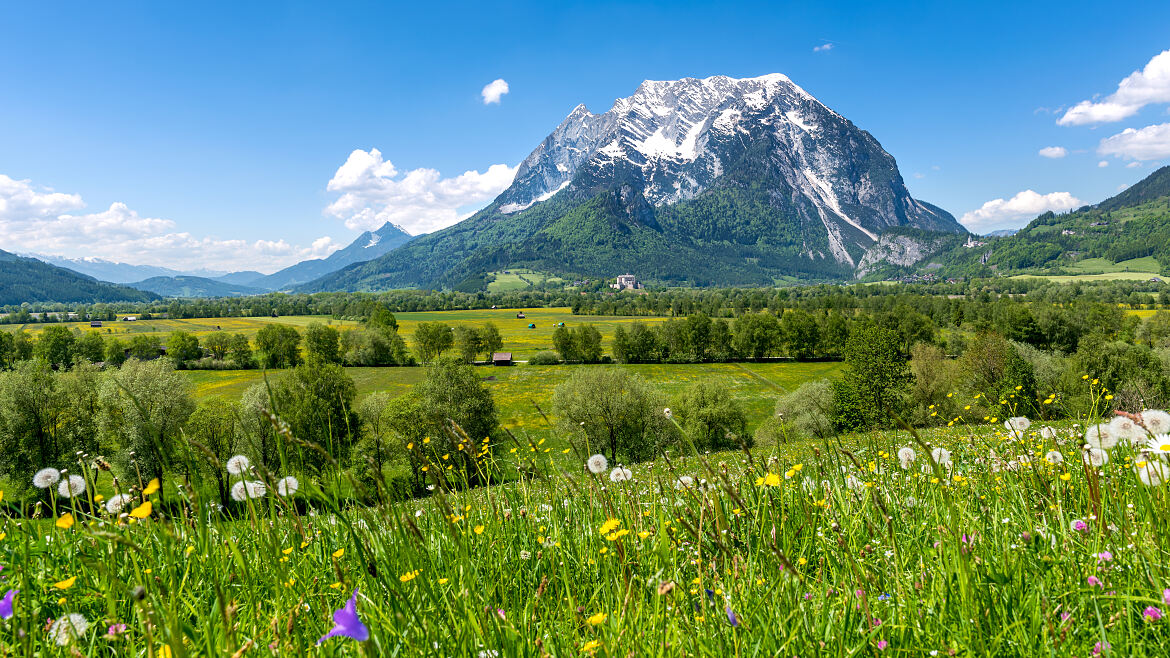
(1016, 547)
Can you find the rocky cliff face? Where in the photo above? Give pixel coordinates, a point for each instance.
(674, 140)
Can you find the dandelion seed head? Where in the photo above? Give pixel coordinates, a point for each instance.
(46, 477)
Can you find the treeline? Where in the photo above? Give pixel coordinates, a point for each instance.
(595, 298)
(374, 343)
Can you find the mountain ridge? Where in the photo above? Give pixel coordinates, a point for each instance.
(710, 181)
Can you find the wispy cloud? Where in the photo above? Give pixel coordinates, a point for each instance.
(493, 91)
(1148, 86)
(38, 219)
(1053, 152)
(824, 47)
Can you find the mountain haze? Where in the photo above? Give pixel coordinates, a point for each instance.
(367, 246)
(694, 181)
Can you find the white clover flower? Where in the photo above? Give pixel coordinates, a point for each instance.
(620, 474)
(1101, 437)
(240, 491)
(74, 485)
(1156, 421)
(1095, 457)
(287, 486)
(256, 489)
(1054, 457)
(238, 465)
(115, 504)
(1152, 473)
(941, 456)
(597, 464)
(46, 477)
(906, 456)
(68, 628)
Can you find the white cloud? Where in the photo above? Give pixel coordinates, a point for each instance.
(1053, 152)
(1133, 165)
(40, 220)
(420, 200)
(493, 90)
(1014, 212)
(1102, 164)
(822, 48)
(1140, 88)
(1149, 143)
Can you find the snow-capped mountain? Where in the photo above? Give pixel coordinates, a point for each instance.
(700, 181)
(678, 137)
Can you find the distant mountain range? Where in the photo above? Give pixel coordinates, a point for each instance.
(30, 280)
(113, 272)
(194, 286)
(367, 246)
(700, 182)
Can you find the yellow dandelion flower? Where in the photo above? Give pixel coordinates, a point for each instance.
(478, 529)
(609, 526)
(339, 552)
(65, 522)
(142, 511)
(65, 584)
(151, 487)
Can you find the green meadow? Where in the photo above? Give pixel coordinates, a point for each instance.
(520, 390)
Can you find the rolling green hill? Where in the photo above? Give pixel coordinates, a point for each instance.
(30, 280)
(1126, 237)
(194, 286)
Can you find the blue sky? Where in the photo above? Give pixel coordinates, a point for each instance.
(209, 133)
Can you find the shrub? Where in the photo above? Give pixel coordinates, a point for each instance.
(617, 413)
(711, 417)
(545, 358)
(808, 411)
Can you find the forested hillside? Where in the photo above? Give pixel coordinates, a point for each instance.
(30, 280)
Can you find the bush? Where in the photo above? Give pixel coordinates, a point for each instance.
(808, 411)
(712, 418)
(545, 358)
(618, 413)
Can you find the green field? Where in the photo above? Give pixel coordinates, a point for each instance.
(518, 338)
(519, 389)
(517, 279)
(197, 326)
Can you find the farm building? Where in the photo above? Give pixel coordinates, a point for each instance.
(95, 323)
(502, 358)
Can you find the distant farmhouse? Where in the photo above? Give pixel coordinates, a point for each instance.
(626, 282)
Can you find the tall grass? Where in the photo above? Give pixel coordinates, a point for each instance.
(1007, 550)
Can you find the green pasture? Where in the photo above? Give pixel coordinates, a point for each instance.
(522, 341)
(520, 390)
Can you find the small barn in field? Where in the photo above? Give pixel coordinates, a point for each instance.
(501, 358)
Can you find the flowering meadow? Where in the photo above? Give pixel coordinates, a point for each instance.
(1020, 539)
